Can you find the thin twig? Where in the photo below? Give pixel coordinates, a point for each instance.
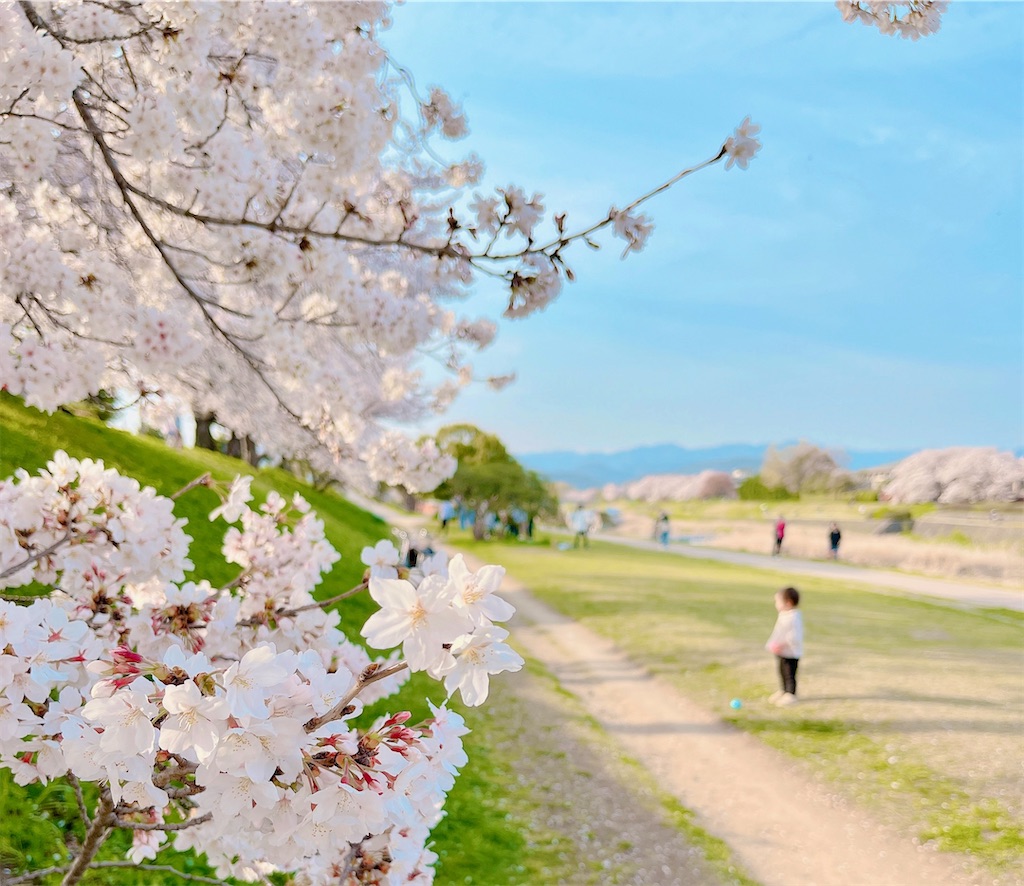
(565, 239)
(77, 785)
(255, 620)
(204, 480)
(370, 675)
(165, 868)
(28, 561)
(330, 601)
(35, 875)
(165, 825)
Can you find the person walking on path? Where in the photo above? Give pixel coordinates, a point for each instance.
(787, 644)
(580, 523)
(662, 529)
(780, 534)
(834, 535)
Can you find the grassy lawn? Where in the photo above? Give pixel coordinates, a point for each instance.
(486, 837)
(915, 710)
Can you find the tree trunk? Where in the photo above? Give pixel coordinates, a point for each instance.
(249, 450)
(204, 436)
(480, 524)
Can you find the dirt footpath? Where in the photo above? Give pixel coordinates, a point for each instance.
(592, 821)
(782, 827)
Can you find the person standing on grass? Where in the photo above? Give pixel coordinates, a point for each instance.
(787, 644)
(662, 529)
(780, 534)
(834, 535)
(580, 522)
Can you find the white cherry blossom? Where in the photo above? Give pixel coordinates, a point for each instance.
(127, 719)
(382, 559)
(477, 656)
(421, 619)
(247, 682)
(474, 592)
(194, 723)
(742, 145)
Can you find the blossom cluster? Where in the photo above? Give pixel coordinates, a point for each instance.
(419, 467)
(910, 19)
(446, 625)
(742, 145)
(229, 715)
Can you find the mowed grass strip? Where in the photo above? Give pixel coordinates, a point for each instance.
(488, 835)
(914, 709)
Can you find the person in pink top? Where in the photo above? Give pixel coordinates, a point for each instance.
(780, 534)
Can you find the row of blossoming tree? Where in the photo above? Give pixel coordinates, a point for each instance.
(235, 207)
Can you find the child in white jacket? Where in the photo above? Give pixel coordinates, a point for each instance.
(787, 644)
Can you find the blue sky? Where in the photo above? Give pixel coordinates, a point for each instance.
(859, 286)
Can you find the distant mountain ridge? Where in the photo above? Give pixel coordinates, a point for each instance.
(583, 470)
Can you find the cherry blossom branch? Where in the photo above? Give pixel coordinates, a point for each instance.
(204, 480)
(165, 868)
(371, 674)
(275, 225)
(563, 241)
(39, 555)
(163, 826)
(163, 250)
(100, 865)
(256, 620)
(77, 787)
(94, 838)
(330, 601)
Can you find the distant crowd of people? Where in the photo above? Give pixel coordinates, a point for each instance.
(514, 522)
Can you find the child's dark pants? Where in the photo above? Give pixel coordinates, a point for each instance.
(787, 671)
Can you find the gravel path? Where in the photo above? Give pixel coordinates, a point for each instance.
(593, 820)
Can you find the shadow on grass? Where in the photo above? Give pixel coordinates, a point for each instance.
(907, 697)
(719, 728)
(807, 726)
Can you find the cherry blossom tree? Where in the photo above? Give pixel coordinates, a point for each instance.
(803, 467)
(674, 487)
(224, 718)
(237, 206)
(958, 475)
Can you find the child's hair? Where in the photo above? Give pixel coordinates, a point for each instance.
(791, 596)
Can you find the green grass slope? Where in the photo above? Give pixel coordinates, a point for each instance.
(481, 835)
